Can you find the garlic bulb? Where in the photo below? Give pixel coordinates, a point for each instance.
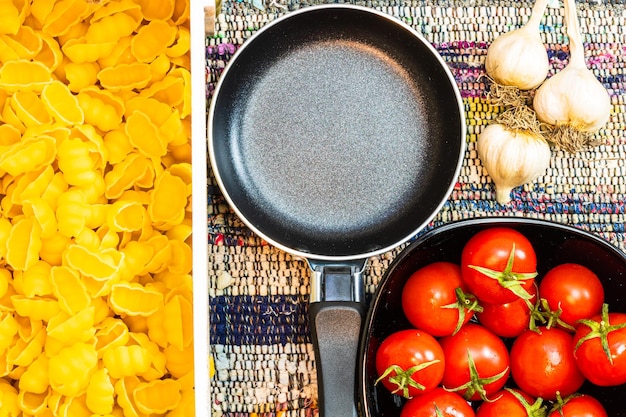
(573, 97)
(519, 58)
(512, 157)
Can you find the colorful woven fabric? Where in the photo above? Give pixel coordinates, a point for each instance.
(258, 294)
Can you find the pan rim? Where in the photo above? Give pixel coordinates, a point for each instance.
(258, 230)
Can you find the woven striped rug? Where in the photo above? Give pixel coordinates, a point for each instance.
(258, 295)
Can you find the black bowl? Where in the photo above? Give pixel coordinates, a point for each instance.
(554, 244)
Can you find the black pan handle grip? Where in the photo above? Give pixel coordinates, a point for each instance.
(335, 317)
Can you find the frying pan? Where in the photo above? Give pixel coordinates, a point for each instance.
(336, 133)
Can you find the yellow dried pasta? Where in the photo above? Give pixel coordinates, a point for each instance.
(125, 361)
(35, 280)
(25, 43)
(157, 9)
(126, 216)
(117, 145)
(168, 199)
(124, 388)
(111, 28)
(24, 352)
(64, 15)
(35, 378)
(71, 212)
(169, 90)
(80, 75)
(98, 113)
(145, 136)
(41, 210)
(5, 280)
(135, 299)
(31, 185)
(157, 397)
(110, 333)
(8, 330)
(69, 329)
(24, 75)
(100, 393)
(50, 53)
(62, 104)
(181, 257)
(23, 244)
(178, 320)
(81, 50)
(32, 403)
(29, 109)
(124, 77)
(8, 398)
(71, 368)
(9, 134)
(99, 265)
(93, 266)
(152, 40)
(159, 68)
(181, 46)
(9, 18)
(119, 55)
(157, 369)
(121, 6)
(74, 407)
(69, 289)
(31, 154)
(37, 308)
(74, 159)
(178, 362)
(185, 106)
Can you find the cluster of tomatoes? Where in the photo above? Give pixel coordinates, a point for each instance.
(490, 338)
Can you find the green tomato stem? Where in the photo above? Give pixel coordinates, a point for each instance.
(465, 302)
(600, 329)
(403, 378)
(508, 279)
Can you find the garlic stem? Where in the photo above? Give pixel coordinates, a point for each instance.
(572, 26)
(536, 14)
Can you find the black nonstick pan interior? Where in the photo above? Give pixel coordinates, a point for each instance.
(337, 132)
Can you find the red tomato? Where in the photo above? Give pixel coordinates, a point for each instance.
(511, 403)
(542, 363)
(447, 403)
(579, 406)
(430, 295)
(410, 362)
(590, 356)
(510, 319)
(477, 346)
(499, 265)
(573, 288)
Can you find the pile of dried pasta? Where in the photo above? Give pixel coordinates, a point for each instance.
(95, 208)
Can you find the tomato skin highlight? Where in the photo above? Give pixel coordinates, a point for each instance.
(449, 404)
(406, 349)
(542, 363)
(491, 248)
(580, 406)
(509, 319)
(504, 403)
(575, 289)
(591, 359)
(488, 352)
(425, 294)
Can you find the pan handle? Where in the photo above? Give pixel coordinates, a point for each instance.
(336, 315)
